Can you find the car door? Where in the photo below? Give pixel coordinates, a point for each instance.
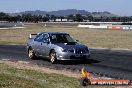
(37, 44)
(44, 51)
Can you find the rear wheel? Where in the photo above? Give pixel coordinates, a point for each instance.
(31, 54)
(53, 58)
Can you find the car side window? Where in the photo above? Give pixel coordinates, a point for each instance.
(45, 38)
(39, 38)
(53, 38)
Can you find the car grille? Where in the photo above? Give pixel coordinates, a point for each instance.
(71, 51)
(77, 51)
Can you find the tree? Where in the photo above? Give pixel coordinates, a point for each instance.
(90, 18)
(3, 16)
(45, 19)
(71, 17)
(79, 18)
(40, 18)
(19, 18)
(53, 17)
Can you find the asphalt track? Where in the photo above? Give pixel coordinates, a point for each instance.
(104, 62)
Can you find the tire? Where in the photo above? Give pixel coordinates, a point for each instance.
(31, 54)
(53, 58)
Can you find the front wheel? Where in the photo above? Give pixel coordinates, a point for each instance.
(53, 58)
(31, 54)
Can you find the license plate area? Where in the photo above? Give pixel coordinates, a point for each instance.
(78, 55)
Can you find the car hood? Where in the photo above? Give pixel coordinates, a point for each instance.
(71, 45)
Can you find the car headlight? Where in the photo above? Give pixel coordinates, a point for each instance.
(65, 50)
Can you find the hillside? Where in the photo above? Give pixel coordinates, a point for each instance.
(67, 12)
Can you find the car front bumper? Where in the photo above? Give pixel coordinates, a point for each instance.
(73, 56)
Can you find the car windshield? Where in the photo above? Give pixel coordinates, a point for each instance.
(62, 38)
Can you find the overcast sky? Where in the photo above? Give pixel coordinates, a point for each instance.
(119, 7)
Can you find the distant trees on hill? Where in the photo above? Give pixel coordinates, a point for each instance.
(71, 18)
(23, 18)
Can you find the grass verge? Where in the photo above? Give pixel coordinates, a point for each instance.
(92, 37)
(17, 77)
(22, 78)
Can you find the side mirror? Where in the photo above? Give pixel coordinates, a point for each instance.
(77, 40)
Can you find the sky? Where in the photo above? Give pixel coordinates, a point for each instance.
(118, 7)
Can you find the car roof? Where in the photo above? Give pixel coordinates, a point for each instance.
(54, 33)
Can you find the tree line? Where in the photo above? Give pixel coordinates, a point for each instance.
(71, 18)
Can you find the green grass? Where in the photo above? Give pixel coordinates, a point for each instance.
(90, 37)
(18, 78)
(22, 78)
